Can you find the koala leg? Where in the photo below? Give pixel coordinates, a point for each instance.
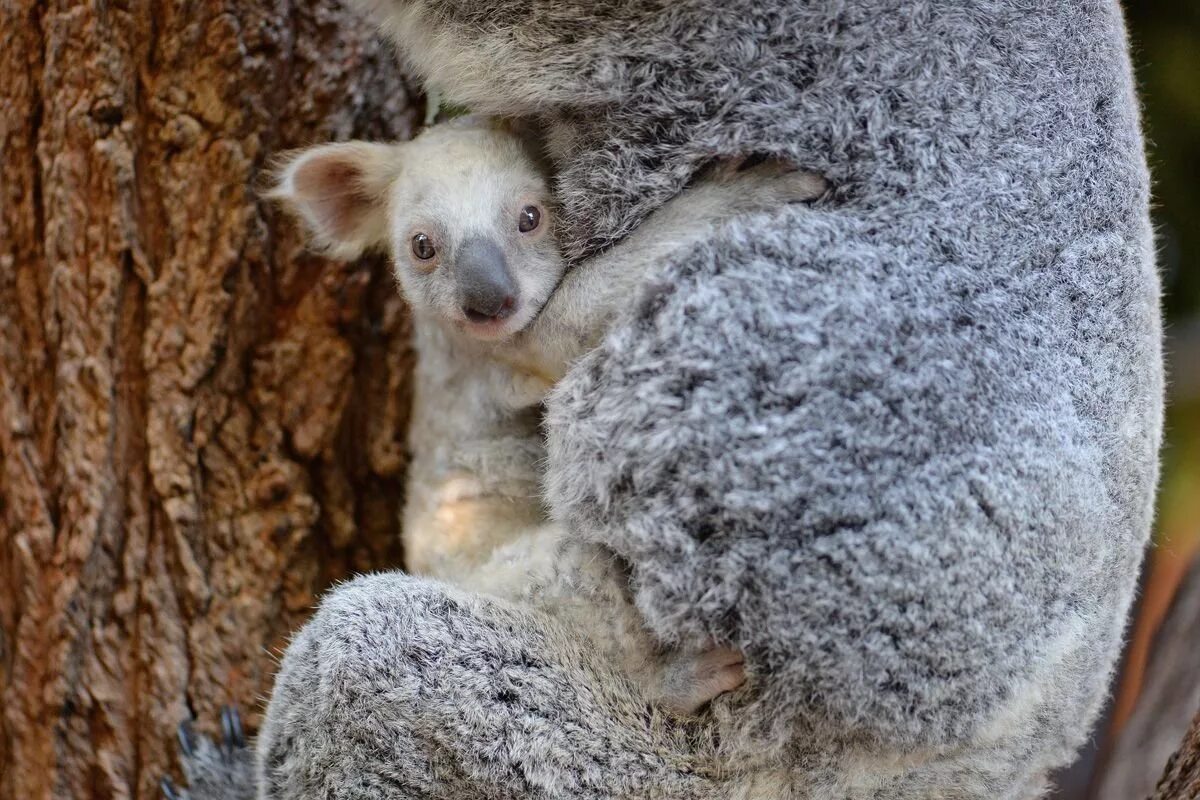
(586, 589)
(403, 687)
(214, 771)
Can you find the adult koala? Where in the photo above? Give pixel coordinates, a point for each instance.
(900, 447)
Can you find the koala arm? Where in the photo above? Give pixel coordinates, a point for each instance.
(594, 293)
(886, 495)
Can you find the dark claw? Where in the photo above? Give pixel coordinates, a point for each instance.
(187, 738)
(168, 789)
(231, 728)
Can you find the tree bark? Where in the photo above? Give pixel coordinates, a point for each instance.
(1168, 700)
(201, 426)
(1181, 780)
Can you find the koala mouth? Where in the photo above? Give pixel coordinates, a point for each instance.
(497, 325)
(500, 313)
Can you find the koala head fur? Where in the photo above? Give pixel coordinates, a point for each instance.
(463, 209)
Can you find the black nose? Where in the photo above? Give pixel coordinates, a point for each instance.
(486, 289)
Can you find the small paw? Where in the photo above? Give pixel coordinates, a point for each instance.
(760, 165)
(768, 186)
(692, 681)
(758, 183)
(719, 671)
(214, 771)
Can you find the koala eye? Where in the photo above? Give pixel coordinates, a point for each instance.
(422, 247)
(531, 217)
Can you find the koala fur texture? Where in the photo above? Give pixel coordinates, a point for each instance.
(899, 448)
(465, 215)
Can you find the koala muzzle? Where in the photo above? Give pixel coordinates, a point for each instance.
(486, 289)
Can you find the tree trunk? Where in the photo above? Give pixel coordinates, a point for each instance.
(201, 426)
(1168, 700)
(1181, 780)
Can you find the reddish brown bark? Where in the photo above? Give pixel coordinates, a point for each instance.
(1181, 780)
(1163, 711)
(201, 426)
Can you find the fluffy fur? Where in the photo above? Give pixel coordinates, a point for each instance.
(473, 483)
(900, 449)
(472, 514)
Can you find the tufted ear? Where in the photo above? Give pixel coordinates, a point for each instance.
(340, 193)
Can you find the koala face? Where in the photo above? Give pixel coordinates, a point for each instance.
(470, 225)
(463, 210)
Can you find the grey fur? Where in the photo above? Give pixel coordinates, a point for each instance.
(473, 515)
(213, 770)
(901, 449)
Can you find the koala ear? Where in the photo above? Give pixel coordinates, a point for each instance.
(340, 192)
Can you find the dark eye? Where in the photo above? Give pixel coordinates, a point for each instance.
(531, 217)
(422, 247)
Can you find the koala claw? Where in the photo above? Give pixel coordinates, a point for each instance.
(220, 770)
(187, 738)
(231, 729)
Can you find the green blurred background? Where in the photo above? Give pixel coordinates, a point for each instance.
(1165, 37)
(1166, 50)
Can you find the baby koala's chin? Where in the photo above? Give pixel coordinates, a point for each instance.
(492, 329)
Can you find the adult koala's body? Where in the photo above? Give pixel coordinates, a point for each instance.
(900, 448)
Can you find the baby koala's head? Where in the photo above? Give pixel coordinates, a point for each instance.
(462, 208)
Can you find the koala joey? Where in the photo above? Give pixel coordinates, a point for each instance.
(467, 218)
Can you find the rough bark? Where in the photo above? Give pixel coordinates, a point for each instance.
(201, 426)
(1181, 780)
(1164, 709)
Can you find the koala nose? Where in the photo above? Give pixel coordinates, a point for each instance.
(486, 289)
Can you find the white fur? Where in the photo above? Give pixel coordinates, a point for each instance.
(473, 514)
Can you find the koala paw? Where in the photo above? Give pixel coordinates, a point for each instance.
(214, 771)
(692, 681)
(756, 183)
